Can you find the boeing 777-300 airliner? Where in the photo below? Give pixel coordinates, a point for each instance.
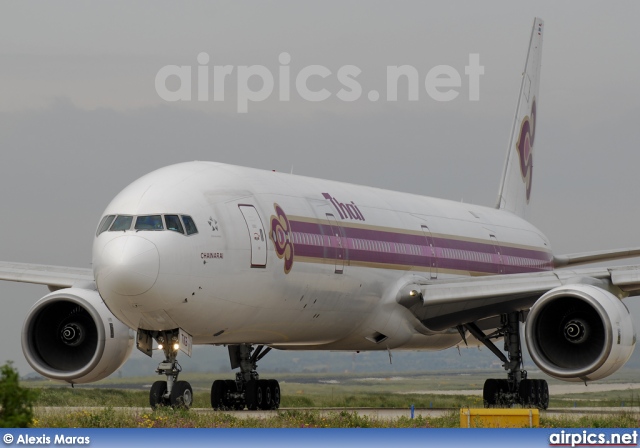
(208, 253)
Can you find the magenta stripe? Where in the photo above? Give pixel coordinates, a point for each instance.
(443, 243)
(418, 240)
(412, 250)
(492, 267)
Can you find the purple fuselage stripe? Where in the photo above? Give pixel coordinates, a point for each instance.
(407, 250)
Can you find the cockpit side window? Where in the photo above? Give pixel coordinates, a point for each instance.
(149, 222)
(189, 225)
(105, 223)
(173, 223)
(122, 223)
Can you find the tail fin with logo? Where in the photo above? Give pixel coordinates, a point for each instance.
(515, 189)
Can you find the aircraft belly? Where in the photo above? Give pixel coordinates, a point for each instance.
(305, 309)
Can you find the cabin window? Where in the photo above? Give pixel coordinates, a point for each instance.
(149, 222)
(105, 223)
(189, 225)
(173, 223)
(121, 223)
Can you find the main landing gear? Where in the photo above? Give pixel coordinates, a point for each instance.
(517, 389)
(174, 393)
(247, 390)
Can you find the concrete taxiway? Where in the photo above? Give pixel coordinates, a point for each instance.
(373, 413)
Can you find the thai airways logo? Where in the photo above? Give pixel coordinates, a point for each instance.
(346, 211)
(281, 236)
(525, 147)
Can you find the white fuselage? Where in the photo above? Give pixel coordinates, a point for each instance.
(296, 262)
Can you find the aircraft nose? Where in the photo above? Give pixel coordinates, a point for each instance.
(128, 266)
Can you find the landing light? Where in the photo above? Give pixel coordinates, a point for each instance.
(160, 346)
(176, 346)
(415, 294)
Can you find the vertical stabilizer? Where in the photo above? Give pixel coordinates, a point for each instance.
(515, 189)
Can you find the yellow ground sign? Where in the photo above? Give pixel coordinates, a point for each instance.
(499, 418)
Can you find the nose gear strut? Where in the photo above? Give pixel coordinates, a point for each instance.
(171, 392)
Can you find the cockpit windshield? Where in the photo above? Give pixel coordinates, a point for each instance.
(122, 223)
(183, 224)
(151, 222)
(190, 225)
(105, 223)
(173, 223)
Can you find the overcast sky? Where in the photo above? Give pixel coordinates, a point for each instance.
(80, 117)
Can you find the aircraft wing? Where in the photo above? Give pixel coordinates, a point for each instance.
(594, 257)
(448, 303)
(53, 276)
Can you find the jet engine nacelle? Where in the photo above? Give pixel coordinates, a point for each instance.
(71, 335)
(579, 333)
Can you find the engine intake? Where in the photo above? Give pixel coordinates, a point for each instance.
(579, 333)
(71, 335)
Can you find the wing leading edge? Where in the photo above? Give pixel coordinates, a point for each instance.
(594, 257)
(55, 277)
(449, 303)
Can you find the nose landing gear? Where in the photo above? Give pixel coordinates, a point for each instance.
(174, 393)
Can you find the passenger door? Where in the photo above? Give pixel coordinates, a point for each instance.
(336, 240)
(433, 259)
(257, 235)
